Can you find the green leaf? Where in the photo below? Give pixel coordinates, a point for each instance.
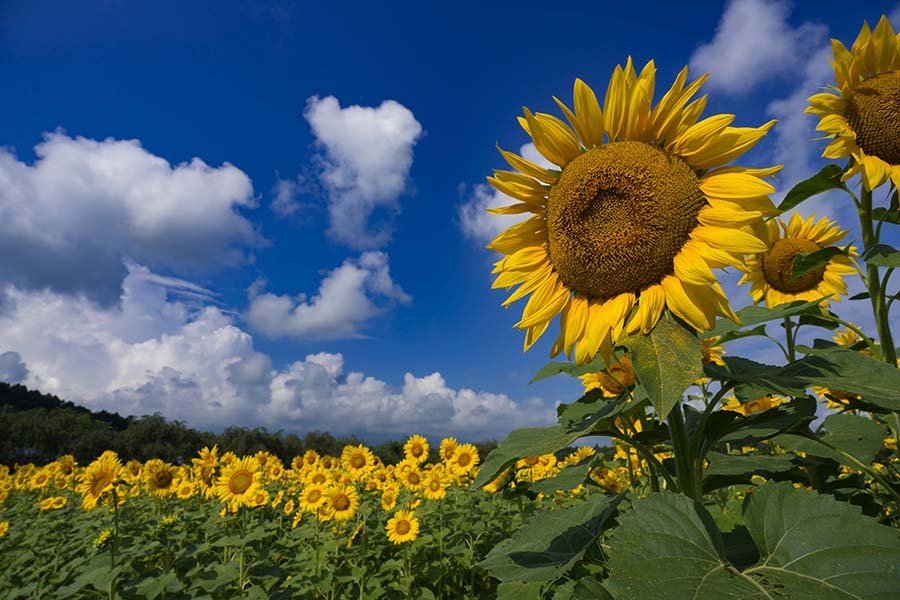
(569, 368)
(662, 550)
(804, 262)
(858, 436)
(766, 424)
(829, 178)
(730, 464)
(754, 315)
(551, 542)
(568, 478)
(813, 547)
(767, 378)
(882, 255)
(586, 588)
(525, 442)
(517, 590)
(666, 362)
(840, 369)
(596, 406)
(152, 587)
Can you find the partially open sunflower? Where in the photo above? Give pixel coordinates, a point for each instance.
(862, 115)
(641, 210)
(770, 273)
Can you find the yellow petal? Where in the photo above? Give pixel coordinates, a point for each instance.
(731, 240)
(588, 113)
(527, 167)
(651, 303)
(734, 185)
(684, 305)
(692, 268)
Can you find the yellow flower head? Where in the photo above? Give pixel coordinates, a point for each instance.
(770, 272)
(862, 113)
(357, 461)
(238, 481)
(403, 527)
(448, 445)
(160, 478)
(342, 502)
(312, 497)
(613, 381)
(464, 459)
(4, 528)
(98, 479)
(640, 210)
(416, 449)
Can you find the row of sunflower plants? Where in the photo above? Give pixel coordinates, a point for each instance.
(224, 526)
(741, 479)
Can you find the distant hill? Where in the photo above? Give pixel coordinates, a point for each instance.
(39, 428)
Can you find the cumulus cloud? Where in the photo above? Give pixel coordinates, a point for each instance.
(348, 297)
(71, 217)
(367, 155)
(480, 226)
(12, 369)
(284, 197)
(153, 352)
(754, 43)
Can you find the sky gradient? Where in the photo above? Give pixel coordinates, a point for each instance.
(262, 213)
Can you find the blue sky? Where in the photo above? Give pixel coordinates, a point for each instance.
(141, 281)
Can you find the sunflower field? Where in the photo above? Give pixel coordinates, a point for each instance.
(722, 477)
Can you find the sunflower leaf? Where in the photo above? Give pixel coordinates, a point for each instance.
(857, 436)
(882, 255)
(829, 178)
(754, 315)
(551, 542)
(767, 378)
(666, 362)
(811, 547)
(837, 368)
(804, 262)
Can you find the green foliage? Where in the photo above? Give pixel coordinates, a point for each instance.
(550, 543)
(853, 372)
(859, 437)
(829, 178)
(810, 547)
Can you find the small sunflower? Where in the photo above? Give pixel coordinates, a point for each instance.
(4, 527)
(640, 213)
(464, 459)
(98, 478)
(289, 507)
(358, 461)
(614, 380)
(752, 406)
(238, 481)
(259, 498)
(770, 272)
(389, 497)
(312, 497)
(59, 502)
(310, 458)
(159, 478)
(434, 487)
(411, 478)
(185, 490)
(448, 445)
(342, 502)
(317, 477)
(416, 448)
(403, 527)
(862, 113)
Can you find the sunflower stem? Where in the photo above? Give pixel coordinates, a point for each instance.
(683, 459)
(790, 337)
(876, 291)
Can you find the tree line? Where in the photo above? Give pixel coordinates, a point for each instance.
(39, 428)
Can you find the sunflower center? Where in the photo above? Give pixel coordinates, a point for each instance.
(778, 266)
(873, 111)
(417, 451)
(314, 496)
(342, 502)
(163, 479)
(99, 483)
(358, 461)
(617, 217)
(403, 527)
(240, 482)
(463, 460)
(414, 479)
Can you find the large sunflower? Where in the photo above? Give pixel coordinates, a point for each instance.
(402, 527)
(771, 272)
(641, 211)
(238, 482)
(862, 114)
(99, 478)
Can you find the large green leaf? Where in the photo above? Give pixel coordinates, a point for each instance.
(568, 478)
(595, 407)
(882, 255)
(526, 442)
(804, 262)
(754, 315)
(761, 377)
(518, 590)
(551, 542)
(666, 362)
(730, 464)
(829, 178)
(858, 436)
(840, 369)
(768, 423)
(555, 368)
(811, 547)
(662, 550)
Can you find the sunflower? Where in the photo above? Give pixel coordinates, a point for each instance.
(770, 272)
(389, 497)
(614, 380)
(259, 498)
(312, 497)
(464, 459)
(862, 113)
(711, 350)
(434, 487)
(289, 507)
(579, 454)
(403, 527)
(40, 480)
(133, 471)
(59, 502)
(98, 478)
(416, 449)
(317, 477)
(752, 406)
(185, 490)
(4, 527)
(357, 460)
(160, 478)
(641, 211)
(238, 481)
(448, 445)
(411, 478)
(342, 502)
(310, 458)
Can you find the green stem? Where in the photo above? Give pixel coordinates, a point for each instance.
(790, 336)
(683, 459)
(876, 293)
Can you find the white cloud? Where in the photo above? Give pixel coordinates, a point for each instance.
(480, 226)
(348, 297)
(754, 43)
(367, 156)
(284, 201)
(152, 353)
(71, 217)
(12, 369)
